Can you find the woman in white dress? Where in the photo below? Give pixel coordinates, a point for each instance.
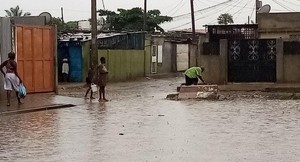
(12, 79)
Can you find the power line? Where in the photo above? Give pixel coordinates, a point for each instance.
(283, 6)
(200, 12)
(227, 5)
(215, 20)
(239, 11)
(197, 6)
(189, 22)
(174, 8)
(253, 11)
(171, 6)
(208, 15)
(187, 14)
(234, 5)
(182, 5)
(292, 3)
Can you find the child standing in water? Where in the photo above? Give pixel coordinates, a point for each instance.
(89, 82)
(102, 79)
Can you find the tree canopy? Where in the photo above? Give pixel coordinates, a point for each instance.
(62, 27)
(16, 12)
(225, 19)
(133, 19)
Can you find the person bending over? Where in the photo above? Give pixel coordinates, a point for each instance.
(192, 75)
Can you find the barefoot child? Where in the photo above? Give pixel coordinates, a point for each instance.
(89, 79)
(102, 79)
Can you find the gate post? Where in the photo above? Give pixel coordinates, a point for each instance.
(279, 61)
(5, 47)
(200, 50)
(224, 60)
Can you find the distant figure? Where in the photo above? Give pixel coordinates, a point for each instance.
(12, 79)
(101, 77)
(192, 74)
(65, 69)
(89, 82)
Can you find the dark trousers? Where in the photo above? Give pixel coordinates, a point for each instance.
(191, 81)
(65, 77)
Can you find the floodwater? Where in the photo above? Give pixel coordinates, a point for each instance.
(139, 125)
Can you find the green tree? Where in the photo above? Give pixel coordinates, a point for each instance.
(59, 24)
(133, 19)
(225, 19)
(71, 26)
(62, 27)
(16, 12)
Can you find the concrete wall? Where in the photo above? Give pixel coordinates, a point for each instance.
(288, 65)
(29, 20)
(168, 64)
(158, 40)
(276, 25)
(291, 68)
(182, 57)
(5, 48)
(167, 57)
(124, 64)
(215, 65)
(147, 59)
(193, 52)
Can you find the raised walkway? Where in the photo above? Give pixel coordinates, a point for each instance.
(39, 102)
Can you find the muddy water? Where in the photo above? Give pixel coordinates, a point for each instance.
(139, 125)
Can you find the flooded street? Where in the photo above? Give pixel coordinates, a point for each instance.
(140, 125)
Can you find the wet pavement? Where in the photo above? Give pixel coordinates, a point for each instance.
(139, 124)
(39, 102)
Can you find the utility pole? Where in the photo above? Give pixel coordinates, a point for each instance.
(258, 6)
(103, 5)
(62, 17)
(94, 52)
(193, 20)
(145, 14)
(62, 14)
(248, 19)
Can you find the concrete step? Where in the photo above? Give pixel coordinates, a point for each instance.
(198, 92)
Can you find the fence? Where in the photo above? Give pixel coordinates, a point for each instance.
(124, 64)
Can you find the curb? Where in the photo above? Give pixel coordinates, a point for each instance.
(36, 109)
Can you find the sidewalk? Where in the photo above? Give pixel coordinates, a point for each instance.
(264, 87)
(39, 102)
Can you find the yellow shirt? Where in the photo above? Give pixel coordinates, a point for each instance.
(193, 72)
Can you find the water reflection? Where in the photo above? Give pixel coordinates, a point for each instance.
(150, 128)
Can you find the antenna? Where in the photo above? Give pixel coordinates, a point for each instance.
(264, 9)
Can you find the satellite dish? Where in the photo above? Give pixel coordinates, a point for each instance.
(48, 17)
(264, 9)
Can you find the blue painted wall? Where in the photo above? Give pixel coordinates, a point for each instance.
(73, 52)
(75, 63)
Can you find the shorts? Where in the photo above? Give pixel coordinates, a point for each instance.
(11, 82)
(88, 81)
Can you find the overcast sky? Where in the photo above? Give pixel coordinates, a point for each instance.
(80, 9)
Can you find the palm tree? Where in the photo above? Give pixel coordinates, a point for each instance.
(16, 12)
(225, 18)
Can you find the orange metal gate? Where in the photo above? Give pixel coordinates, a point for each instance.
(35, 57)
